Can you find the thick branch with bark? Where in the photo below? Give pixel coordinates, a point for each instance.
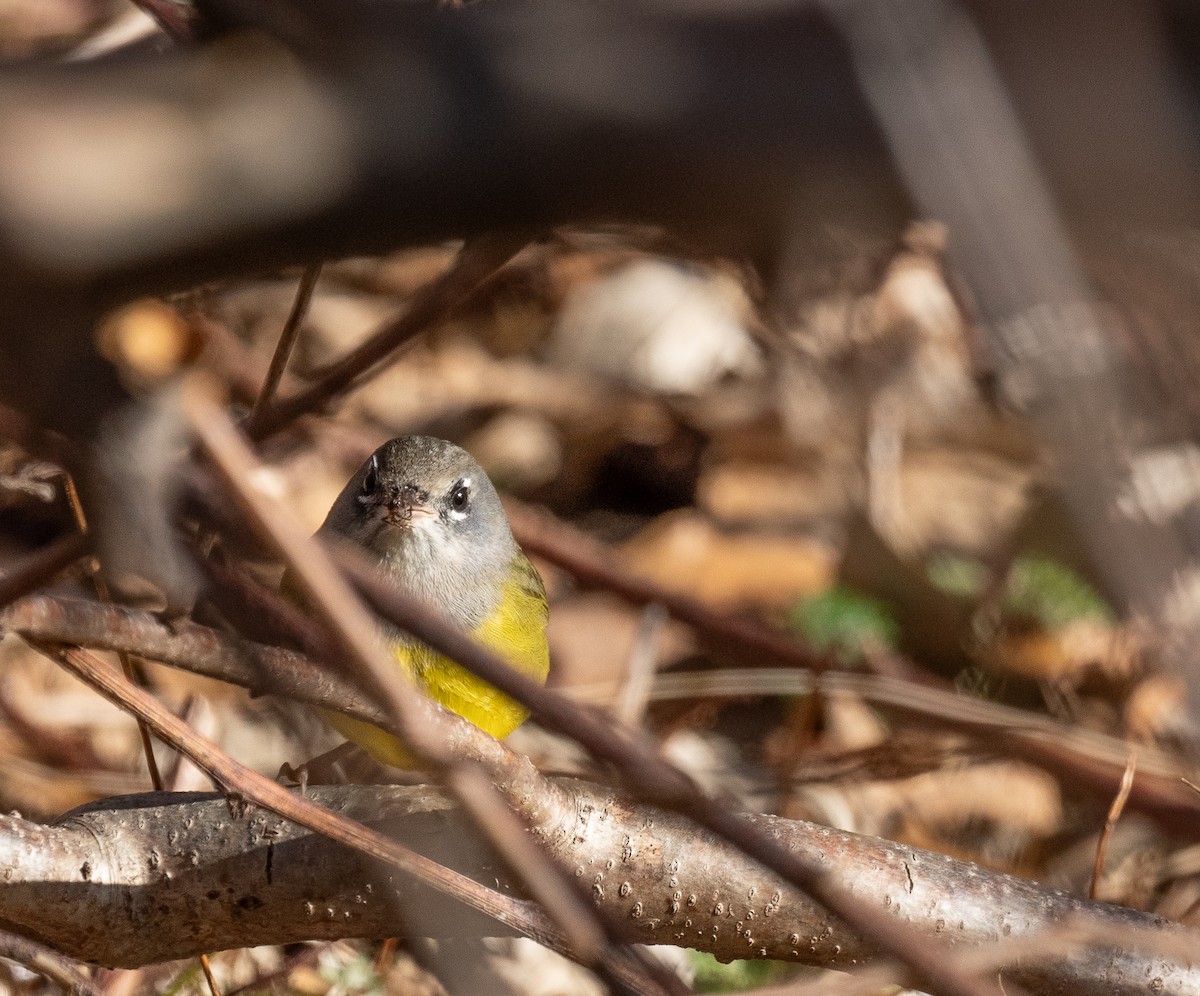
(207, 873)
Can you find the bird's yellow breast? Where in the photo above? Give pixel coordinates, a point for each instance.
(515, 629)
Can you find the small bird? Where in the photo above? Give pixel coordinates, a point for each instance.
(431, 517)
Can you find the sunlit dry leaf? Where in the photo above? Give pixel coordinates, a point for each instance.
(148, 338)
(1071, 653)
(1156, 709)
(683, 552)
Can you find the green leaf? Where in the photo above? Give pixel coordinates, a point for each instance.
(354, 973)
(958, 575)
(844, 623)
(1044, 590)
(713, 976)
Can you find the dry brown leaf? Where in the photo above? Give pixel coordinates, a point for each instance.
(957, 499)
(1156, 709)
(682, 551)
(147, 338)
(1071, 653)
(987, 812)
(767, 495)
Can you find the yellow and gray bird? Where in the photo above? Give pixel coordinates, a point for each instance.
(428, 514)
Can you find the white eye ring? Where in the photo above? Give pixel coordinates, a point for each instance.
(371, 477)
(460, 499)
(366, 494)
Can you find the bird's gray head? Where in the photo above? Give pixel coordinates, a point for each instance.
(433, 518)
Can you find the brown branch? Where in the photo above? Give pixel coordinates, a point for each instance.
(263, 669)
(592, 563)
(658, 781)
(1085, 758)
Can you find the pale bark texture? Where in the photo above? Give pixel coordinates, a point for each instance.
(144, 879)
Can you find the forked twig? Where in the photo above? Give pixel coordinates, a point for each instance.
(283, 348)
(476, 262)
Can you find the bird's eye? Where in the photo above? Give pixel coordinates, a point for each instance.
(371, 478)
(459, 497)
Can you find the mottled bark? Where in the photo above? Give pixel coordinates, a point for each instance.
(147, 878)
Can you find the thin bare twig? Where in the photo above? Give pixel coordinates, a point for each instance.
(477, 261)
(132, 672)
(526, 859)
(177, 18)
(48, 963)
(283, 348)
(1110, 822)
(592, 563)
(639, 674)
(206, 968)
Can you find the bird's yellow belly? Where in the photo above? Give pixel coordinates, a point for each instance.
(516, 631)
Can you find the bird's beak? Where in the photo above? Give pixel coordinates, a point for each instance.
(406, 506)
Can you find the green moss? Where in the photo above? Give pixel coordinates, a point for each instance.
(713, 976)
(843, 623)
(354, 974)
(1049, 593)
(958, 575)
